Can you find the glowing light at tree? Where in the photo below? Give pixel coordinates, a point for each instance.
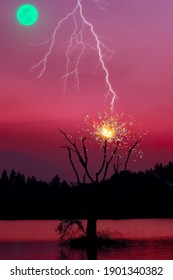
(108, 128)
(113, 129)
(107, 132)
(77, 43)
(27, 14)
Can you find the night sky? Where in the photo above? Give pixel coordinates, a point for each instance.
(31, 110)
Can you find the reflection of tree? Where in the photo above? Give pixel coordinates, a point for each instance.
(65, 253)
(65, 227)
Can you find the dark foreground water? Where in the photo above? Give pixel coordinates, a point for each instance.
(37, 240)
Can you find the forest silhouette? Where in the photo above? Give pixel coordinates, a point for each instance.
(126, 194)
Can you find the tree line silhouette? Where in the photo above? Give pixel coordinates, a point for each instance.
(125, 195)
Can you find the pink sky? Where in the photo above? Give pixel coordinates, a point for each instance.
(140, 33)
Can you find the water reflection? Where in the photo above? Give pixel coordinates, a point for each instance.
(141, 250)
(135, 250)
(37, 240)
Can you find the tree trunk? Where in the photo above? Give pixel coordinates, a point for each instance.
(91, 229)
(91, 239)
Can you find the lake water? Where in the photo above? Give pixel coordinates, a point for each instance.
(37, 240)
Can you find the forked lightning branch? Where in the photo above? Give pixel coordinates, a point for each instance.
(78, 43)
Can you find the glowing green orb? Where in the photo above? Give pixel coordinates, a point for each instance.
(27, 14)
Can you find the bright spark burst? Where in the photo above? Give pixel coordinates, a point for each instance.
(114, 128)
(107, 132)
(77, 42)
(108, 128)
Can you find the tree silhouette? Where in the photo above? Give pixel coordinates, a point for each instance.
(4, 179)
(12, 177)
(55, 182)
(100, 176)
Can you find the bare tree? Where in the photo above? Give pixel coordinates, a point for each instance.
(100, 176)
(83, 159)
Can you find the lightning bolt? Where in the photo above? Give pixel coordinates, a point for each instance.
(101, 4)
(77, 42)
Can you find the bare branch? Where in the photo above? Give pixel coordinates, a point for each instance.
(84, 163)
(129, 153)
(84, 150)
(116, 168)
(84, 178)
(65, 135)
(65, 147)
(109, 161)
(81, 160)
(79, 155)
(74, 145)
(104, 160)
(87, 173)
(72, 164)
